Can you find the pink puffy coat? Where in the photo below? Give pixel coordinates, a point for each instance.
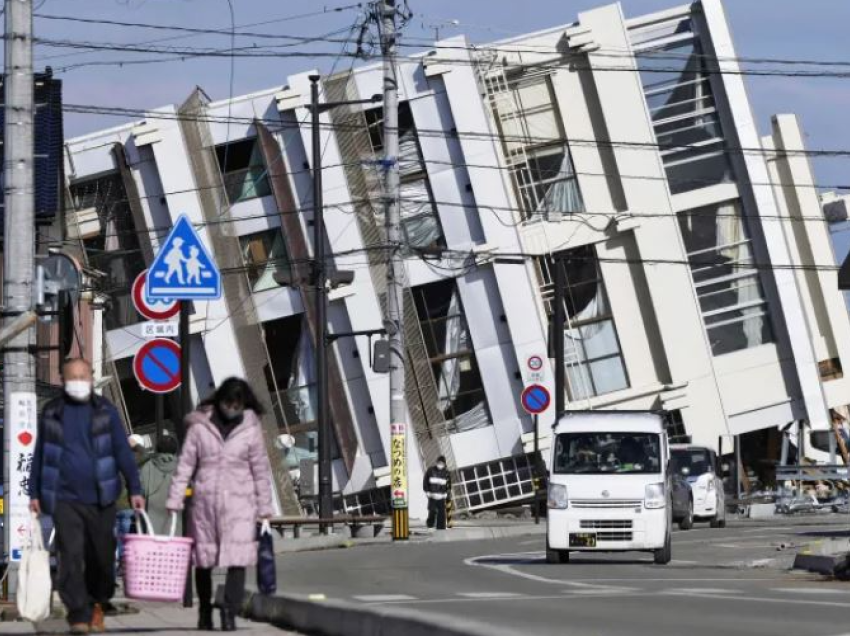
(232, 489)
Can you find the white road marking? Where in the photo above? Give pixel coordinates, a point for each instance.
(489, 594)
(810, 590)
(383, 598)
(698, 590)
(566, 597)
(761, 599)
(679, 562)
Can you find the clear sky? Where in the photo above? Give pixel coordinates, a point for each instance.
(787, 29)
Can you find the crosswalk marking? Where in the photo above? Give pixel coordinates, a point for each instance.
(383, 598)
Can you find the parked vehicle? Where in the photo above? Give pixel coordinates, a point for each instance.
(609, 488)
(698, 466)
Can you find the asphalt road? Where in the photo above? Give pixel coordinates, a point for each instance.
(730, 581)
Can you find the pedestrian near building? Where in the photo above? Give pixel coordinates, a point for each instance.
(224, 454)
(80, 456)
(437, 485)
(156, 478)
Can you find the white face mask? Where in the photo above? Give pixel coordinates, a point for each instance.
(79, 390)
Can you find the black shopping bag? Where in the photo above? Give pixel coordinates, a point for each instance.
(266, 570)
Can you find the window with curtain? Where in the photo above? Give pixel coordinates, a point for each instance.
(684, 113)
(420, 224)
(734, 309)
(243, 170)
(536, 148)
(264, 254)
(449, 345)
(593, 359)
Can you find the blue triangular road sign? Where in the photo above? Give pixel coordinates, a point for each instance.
(183, 269)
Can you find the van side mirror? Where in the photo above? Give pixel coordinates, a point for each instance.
(724, 468)
(685, 471)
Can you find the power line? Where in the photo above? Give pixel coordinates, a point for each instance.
(455, 134)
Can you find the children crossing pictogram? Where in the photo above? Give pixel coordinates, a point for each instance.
(183, 269)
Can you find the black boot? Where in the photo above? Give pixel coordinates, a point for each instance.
(205, 621)
(228, 620)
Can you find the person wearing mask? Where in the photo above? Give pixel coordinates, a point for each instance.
(81, 453)
(156, 477)
(437, 486)
(225, 455)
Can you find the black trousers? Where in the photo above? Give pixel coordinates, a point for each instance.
(437, 513)
(85, 545)
(234, 588)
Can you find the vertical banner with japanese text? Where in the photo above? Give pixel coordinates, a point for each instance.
(22, 428)
(398, 465)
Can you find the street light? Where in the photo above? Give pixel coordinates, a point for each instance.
(320, 280)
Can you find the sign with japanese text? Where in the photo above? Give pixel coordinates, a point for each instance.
(160, 329)
(398, 465)
(22, 427)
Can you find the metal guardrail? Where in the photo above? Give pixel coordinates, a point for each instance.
(806, 472)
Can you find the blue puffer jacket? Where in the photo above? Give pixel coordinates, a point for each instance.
(46, 485)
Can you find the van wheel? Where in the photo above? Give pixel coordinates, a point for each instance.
(664, 555)
(556, 556)
(719, 520)
(718, 523)
(687, 522)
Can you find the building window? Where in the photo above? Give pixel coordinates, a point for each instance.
(420, 224)
(535, 146)
(734, 310)
(243, 170)
(496, 482)
(830, 369)
(684, 113)
(449, 345)
(264, 254)
(592, 348)
(103, 222)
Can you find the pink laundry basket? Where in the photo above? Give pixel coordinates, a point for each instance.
(156, 566)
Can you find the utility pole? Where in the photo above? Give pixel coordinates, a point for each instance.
(395, 278)
(19, 407)
(326, 504)
(558, 338)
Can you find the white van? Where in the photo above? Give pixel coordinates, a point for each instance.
(609, 488)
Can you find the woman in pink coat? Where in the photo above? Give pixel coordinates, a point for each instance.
(225, 458)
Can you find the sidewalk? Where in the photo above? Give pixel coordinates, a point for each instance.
(153, 618)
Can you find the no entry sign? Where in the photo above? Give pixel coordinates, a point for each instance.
(535, 399)
(157, 366)
(152, 309)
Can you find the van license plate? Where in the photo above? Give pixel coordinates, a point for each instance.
(582, 540)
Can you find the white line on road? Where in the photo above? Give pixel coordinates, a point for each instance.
(699, 590)
(383, 598)
(760, 599)
(489, 594)
(810, 590)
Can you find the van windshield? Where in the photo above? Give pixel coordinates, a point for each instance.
(597, 453)
(697, 461)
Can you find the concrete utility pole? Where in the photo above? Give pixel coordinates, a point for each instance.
(18, 270)
(395, 278)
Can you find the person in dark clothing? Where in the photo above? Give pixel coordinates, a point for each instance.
(437, 485)
(81, 453)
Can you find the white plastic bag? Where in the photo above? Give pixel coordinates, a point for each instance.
(34, 585)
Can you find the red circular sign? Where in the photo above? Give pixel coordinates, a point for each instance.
(535, 363)
(535, 399)
(157, 365)
(152, 309)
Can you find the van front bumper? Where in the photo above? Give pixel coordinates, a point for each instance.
(614, 530)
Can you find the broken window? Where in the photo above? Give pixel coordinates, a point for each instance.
(684, 114)
(243, 170)
(103, 222)
(447, 339)
(264, 254)
(420, 224)
(535, 146)
(593, 359)
(734, 310)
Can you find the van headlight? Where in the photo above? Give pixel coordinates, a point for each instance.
(654, 497)
(557, 497)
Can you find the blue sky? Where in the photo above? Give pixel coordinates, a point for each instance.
(787, 29)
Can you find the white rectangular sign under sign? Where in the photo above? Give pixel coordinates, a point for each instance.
(22, 430)
(160, 329)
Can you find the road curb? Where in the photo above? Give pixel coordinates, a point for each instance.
(337, 618)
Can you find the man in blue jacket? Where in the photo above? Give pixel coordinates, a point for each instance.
(80, 450)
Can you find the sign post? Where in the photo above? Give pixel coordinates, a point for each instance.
(535, 400)
(398, 472)
(183, 270)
